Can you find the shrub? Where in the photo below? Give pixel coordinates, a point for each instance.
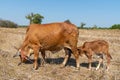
(8, 24)
(22, 26)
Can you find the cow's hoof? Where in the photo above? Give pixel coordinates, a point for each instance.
(77, 68)
(89, 69)
(35, 68)
(96, 69)
(62, 66)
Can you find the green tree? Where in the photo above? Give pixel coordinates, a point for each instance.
(115, 26)
(82, 25)
(35, 18)
(95, 27)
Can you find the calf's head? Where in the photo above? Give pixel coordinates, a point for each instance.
(80, 50)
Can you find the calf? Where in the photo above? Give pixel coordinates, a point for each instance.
(98, 47)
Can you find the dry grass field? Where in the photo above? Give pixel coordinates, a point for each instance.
(9, 70)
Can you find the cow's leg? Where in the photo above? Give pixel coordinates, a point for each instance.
(36, 55)
(67, 56)
(76, 55)
(100, 61)
(43, 58)
(73, 45)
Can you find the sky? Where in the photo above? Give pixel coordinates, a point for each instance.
(102, 13)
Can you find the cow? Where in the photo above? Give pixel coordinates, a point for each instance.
(52, 37)
(98, 47)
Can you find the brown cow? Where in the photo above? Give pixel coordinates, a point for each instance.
(98, 47)
(52, 37)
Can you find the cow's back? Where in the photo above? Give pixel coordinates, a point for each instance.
(53, 35)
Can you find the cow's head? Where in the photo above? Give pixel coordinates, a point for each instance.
(24, 54)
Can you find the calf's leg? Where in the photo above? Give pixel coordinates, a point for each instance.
(89, 56)
(90, 61)
(100, 61)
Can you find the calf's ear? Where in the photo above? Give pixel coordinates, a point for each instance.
(79, 50)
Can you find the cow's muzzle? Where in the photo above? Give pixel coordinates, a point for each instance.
(24, 59)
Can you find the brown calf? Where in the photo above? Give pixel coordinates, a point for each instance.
(98, 47)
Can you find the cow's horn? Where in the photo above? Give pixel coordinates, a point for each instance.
(17, 54)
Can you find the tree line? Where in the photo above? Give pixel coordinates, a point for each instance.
(82, 26)
(37, 19)
(8, 24)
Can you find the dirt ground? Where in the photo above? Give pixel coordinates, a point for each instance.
(9, 70)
